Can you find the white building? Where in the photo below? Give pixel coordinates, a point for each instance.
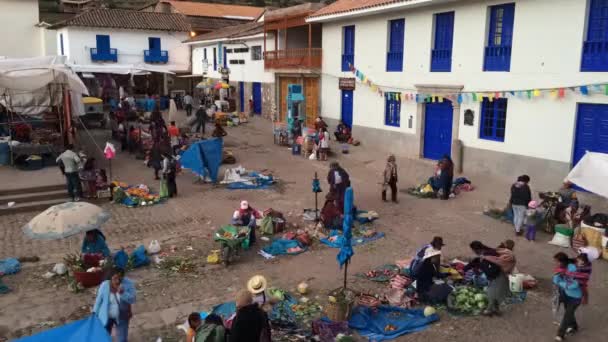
(449, 48)
(20, 35)
(238, 49)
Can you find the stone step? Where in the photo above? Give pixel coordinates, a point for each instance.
(29, 206)
(34, 197)
(44, 188)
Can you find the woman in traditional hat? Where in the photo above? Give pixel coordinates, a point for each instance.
(251, 322)
(246, 216)
(257, 287)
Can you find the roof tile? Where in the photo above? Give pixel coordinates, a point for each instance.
(236, 31)
(126, 19)
(201, 9)
(342, 6)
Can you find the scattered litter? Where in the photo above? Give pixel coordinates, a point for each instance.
(10, 204)
(60, 269)
(154, 247)
(267, 256)
(189, 248)
(264, 238)
(48, 275)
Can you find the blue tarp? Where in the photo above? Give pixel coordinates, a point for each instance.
(355, 241)
(260, 182)
(280, 247)
(88, 329)
(372, 324)
(225, 310)
(10, 266)
(204, 158)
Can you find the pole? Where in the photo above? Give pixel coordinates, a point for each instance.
(110, 165)
(345, 272)
(316, 203)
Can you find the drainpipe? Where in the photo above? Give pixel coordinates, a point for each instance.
(457, 155)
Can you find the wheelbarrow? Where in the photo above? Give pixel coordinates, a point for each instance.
(232, 239)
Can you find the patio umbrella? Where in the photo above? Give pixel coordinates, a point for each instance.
(64, 220)
(346, 250)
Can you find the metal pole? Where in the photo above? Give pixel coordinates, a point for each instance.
(316, 202)
(345, 272)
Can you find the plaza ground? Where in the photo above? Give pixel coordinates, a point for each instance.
(164, 300)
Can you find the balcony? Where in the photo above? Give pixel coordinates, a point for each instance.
(595, 56)
(497, 58)
(293, 58)
(110, 55)
(156, 56)
(441, 60)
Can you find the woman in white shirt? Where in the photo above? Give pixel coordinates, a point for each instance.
(323, 143)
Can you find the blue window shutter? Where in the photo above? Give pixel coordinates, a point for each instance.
(493, 121)
(348, 47)
(441, 56)
(61, 44)
(215, 59)
(154, 43)
(497, 54)
(394, 58)
(103, 43)
(595, 47)
(205, 53)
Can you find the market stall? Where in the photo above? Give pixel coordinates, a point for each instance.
(38, 97)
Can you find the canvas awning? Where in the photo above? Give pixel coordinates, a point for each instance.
(591, 173)
(124, 69)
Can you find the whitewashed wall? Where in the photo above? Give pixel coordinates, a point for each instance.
(130, 45)
(251, 71)
(547, 47)
(20, 36)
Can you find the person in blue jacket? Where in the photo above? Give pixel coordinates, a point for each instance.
(95, 243)
(115, 297)
(571, 295)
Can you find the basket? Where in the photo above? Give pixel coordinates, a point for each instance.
(89, 279)
(339, 311)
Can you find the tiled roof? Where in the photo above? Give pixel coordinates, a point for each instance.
(211, 24)
(343, 6)
(303, 9)
(130, 20)
(243, 30)
(200, 9)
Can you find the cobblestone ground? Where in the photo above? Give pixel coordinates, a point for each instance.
(189, 220)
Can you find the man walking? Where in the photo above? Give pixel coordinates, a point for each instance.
(70, 162)
(188, 104)
(200, 120)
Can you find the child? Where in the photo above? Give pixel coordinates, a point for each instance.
(570, 295)
(194, 321)
(561, 265)
(583, 274)
(323, 144)
(530, 221)
(174, 136)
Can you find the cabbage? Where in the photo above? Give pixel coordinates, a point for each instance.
(480, 297)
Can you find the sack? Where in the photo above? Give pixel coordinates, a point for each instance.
(139, 257)
(60, 269)
(561, 240)
(164, 190)
(154, 247)
(121, 259)
(312, 156)
(266, 226)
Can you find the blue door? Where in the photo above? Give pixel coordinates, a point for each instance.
(347, 108)
(257, 97)
(103, 43)
(242, 96)
(591, 130)
(438, 130)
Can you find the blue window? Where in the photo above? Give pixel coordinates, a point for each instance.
(595, 47)
(500, 38)
(392, 111)
(103, 52)
(493, 119)
(61, 44)
(154, 54)
(394, 56)
(215, 59)
(348, 47)
(441, 55)
(205, 53)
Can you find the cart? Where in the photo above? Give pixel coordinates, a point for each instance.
(231, 239)
(93, 108)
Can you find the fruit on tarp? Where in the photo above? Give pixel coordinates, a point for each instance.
(429, 310)
(303, 288)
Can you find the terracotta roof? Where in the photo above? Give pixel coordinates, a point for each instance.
(236, 31)
(298, 10)
(211, 24)
(130, 20)
(201, 9)
(343, 6)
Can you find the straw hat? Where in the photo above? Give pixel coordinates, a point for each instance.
(257, 284)
(430, 252)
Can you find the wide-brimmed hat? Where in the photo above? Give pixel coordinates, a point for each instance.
(430, 252)
(244, 205)
(257, 284)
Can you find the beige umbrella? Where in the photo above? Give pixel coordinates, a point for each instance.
(64, 220)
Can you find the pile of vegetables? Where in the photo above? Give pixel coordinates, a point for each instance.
(468, 300)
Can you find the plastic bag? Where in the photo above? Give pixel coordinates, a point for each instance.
(312, 156)
(121, 259)
(154, 247)
(139, 257)
(10, 266)
(560, 240)
(214, 257)
(59, 269)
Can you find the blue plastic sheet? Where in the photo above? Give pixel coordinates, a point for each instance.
(10, 266)
(280, 247)
(225, 310)
(355, 241)
(204, 158)
(121, 259)
(260, 182)
(372, 324)
(139, 257)
(88, 329)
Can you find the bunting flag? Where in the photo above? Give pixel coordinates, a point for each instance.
(474, 97)
(536, 93)
(497, 95)
(584, 90)
(605, 89)
(529, 94)
(553, 93)
(561, 93)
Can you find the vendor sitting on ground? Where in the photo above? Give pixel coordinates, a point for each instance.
(219, 131)
(428, 291)
(342, 133)
(246, 216)
(331, 216)
(573, 214)
(95, 243)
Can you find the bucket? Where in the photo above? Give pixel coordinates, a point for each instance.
(516, 282)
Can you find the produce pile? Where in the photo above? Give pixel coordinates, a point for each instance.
(133, 196)
(467, 300)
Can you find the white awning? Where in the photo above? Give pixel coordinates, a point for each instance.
(29, 74)
(124, 69)
(591, 173)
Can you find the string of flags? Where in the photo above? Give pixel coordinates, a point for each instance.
(555, 93)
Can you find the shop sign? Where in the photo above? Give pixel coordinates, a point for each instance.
(346, 83)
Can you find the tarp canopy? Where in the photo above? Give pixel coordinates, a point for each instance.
(591, 173)
(30, 74)
(88, 329)
(124, 69)
(204, 158)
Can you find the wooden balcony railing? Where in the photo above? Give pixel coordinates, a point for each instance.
(293, 58)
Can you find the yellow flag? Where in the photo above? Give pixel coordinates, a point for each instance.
(440, 98)
(553, 93)
(398, 96)
(374, 88)
(536, 93)
(490, 96)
